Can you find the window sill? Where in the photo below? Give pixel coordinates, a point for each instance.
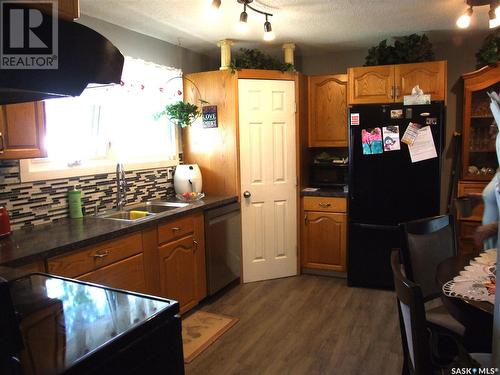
(41, 170)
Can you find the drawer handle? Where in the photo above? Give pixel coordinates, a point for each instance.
(2, 147)
(101, 255)
(175, 229)
(195, 244)
(325, 204)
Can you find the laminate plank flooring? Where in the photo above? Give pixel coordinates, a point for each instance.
(304, 325)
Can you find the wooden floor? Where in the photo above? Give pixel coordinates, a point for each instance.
(304, 325)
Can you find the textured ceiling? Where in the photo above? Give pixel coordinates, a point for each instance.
(314, 25)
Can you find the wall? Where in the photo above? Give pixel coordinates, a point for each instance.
(459, 50)
(41, 202)
(151, 49)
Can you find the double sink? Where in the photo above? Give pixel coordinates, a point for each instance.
(150, 209)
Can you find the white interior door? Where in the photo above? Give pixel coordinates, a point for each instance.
(268, 174)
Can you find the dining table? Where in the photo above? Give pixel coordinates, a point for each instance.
(475, 316)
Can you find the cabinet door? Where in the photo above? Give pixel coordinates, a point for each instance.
(429, 76)
(22, 128)
(127, 274)
(328, 111)
(371, 84)
(178, 272)
(325, 241)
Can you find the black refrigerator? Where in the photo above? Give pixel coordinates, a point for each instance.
(385, 187)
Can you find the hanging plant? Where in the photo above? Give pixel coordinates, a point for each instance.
(489, 53)
(182, 113)
(256, 59)
(409, 49)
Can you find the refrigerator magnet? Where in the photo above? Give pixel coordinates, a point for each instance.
(409, 113)
(354, 119)
(396, 113)
(371, 140)
(411, 133)
(390, 135)
(431, 121)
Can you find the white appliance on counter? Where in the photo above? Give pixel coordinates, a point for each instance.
(187, 178)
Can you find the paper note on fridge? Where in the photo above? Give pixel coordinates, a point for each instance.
(423, 147)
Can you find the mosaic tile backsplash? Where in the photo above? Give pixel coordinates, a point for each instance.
(40, 202)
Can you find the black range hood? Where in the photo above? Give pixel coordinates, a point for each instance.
(84, 57)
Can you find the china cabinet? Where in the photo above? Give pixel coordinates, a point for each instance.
(479, 159)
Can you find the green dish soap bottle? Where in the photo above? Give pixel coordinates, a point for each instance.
(75, 203)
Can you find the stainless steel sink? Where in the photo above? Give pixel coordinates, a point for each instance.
(152, 208)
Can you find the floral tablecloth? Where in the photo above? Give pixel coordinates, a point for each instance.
(477, 281)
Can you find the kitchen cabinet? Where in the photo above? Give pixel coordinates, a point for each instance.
(390, 83)
(66, 9)
(479, 158)
(117, 263)
(22, 131)
(466, 226)
(181, 253)
(324, 234)
(327, 107)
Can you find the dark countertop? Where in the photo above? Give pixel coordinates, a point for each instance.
(325, 192)
(29, 245)
(87, 319)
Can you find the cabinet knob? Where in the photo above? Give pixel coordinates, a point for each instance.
(195, 244)
(247, 194)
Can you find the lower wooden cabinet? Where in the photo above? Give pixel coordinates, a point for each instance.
(324, 235)
(166, 260)
(127, 274)
(182, 261)
(178, 271)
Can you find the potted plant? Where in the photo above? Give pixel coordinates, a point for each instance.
(181, 113)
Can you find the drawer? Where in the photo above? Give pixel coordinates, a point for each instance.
(93, 257)
(175, 229)
(465, 188)
(325, 204)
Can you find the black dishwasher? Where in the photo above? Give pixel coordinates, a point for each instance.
(222, 246)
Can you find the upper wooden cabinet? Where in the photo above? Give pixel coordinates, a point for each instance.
(479, 158)
(66, 9)
(371, 84)
(22, 131)
(390, 83)
(328, 111)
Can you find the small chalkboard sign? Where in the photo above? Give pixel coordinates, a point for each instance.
(209, 116)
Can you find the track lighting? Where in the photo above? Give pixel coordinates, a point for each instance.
(216, 4)
(243, 25)
(494, 15)
(268, 31)
(464, 20)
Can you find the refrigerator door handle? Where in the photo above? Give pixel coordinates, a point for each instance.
(380, 227)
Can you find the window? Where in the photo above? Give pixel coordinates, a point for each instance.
(89, 134)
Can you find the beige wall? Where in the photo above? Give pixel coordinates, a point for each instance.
(459, 51)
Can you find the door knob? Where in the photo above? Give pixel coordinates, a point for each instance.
(247, 194)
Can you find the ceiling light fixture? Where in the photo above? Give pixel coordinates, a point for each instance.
(464, 20)
(216, 4)
(243, 24)
(493, 15)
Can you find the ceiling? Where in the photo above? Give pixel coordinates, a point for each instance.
(314, 25)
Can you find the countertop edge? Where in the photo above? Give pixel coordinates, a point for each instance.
(214, 202)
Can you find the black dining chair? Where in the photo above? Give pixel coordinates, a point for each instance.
(420, 358)
(424, 244)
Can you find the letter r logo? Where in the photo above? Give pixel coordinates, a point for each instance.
(18, 28)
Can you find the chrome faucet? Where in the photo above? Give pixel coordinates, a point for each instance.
(121, 187)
